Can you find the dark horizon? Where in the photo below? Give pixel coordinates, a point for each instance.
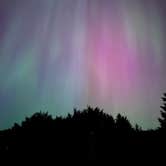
(85, 136)
(100, 112)
(133, 124)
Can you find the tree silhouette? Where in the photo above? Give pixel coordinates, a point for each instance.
(162, 120)
(138, 128)
(85, 135)
(38, 120)
(122, 123)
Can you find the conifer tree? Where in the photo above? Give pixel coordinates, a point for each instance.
(162, 119)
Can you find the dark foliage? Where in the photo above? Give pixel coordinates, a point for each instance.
(87, 136)
(162, 120)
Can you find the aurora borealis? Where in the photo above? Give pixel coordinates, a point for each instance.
(59, 54)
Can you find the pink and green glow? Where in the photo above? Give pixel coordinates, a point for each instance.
(59, 54)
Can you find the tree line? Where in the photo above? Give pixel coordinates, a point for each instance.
(88, 135)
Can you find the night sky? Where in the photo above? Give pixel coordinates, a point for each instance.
(59, 54)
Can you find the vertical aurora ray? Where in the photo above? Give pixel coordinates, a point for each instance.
(60, 54)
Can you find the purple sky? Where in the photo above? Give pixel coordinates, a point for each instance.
(59, 54)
